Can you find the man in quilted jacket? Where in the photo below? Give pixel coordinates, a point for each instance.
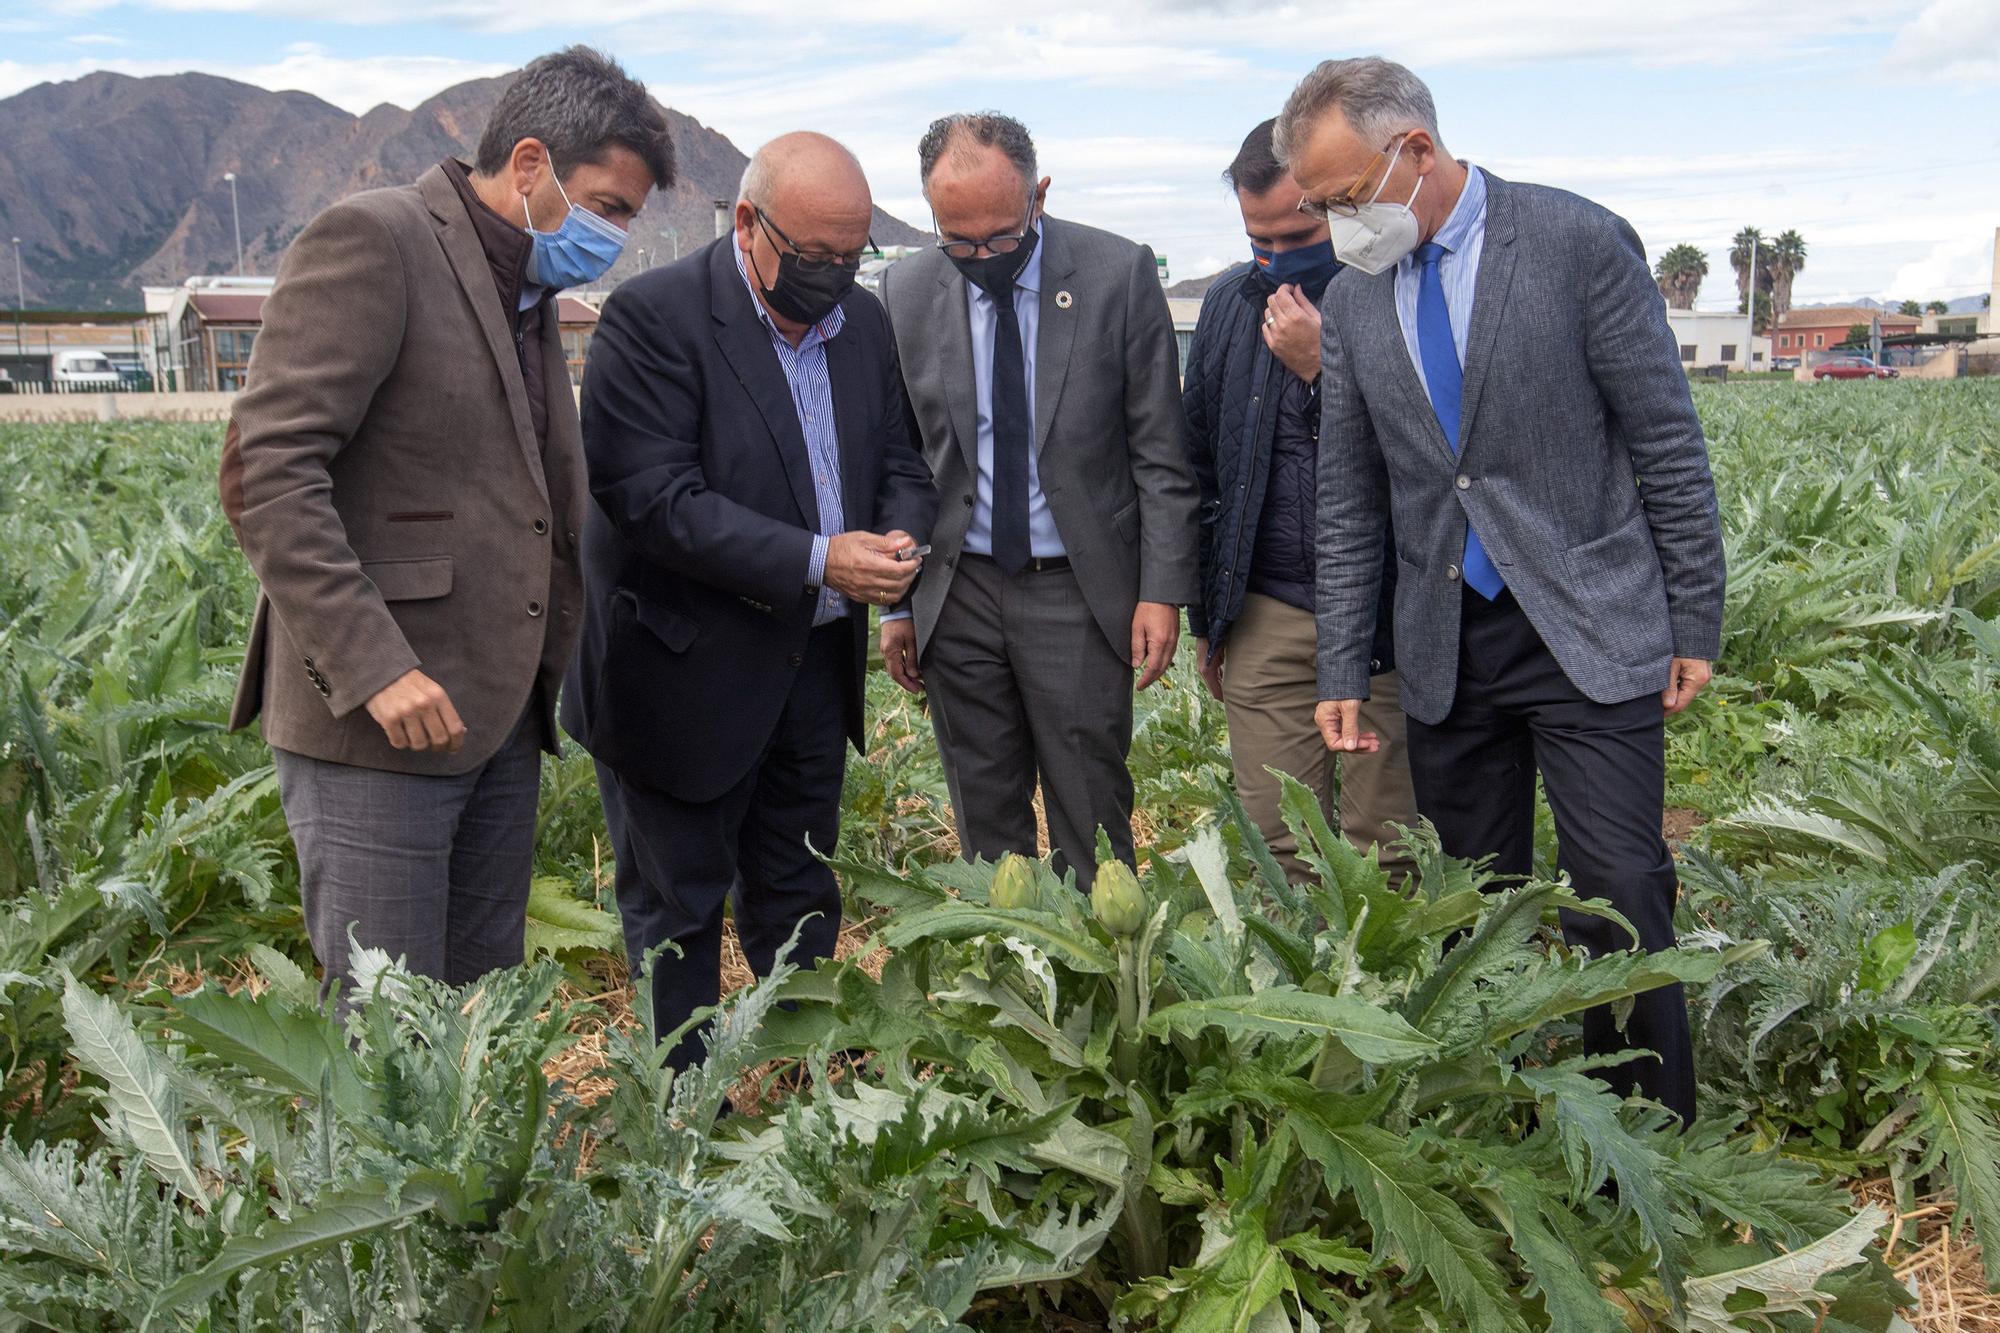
(1251, 397)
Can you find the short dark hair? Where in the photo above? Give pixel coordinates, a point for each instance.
(1256, 168)
(987, 129)
(580, 103)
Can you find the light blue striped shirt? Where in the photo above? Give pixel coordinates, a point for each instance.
(812, 398)
(1043, 539)
(1463, 236)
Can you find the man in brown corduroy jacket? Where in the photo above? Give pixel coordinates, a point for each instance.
(405, 474)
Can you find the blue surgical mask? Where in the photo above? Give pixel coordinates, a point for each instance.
(579, 252)
(1310, 266)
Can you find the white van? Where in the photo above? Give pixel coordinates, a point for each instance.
(84, 370)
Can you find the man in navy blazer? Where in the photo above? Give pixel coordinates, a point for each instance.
(755, 490)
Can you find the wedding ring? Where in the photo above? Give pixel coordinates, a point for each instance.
(1270, 319)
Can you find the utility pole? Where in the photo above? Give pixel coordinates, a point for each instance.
(234, 213)
(20, 296)
(1750, 308)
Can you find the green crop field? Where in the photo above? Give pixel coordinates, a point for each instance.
(1266, 1108)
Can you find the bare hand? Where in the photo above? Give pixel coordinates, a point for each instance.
(1339, 722)
(1291, 331)
(1156, 628)
(1211, 668)
(415, 713)
(899, 654)
(863, 567)
(1688, 676)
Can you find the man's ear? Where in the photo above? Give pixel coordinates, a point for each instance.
(1041, 196)
(526, 164)
(1421, 150)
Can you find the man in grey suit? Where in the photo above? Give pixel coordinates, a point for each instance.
(1040, 364)
(1497, 370)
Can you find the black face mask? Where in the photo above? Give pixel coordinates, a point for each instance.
(804, 295)
(997, 273)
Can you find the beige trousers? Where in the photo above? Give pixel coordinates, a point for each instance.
(1270, 685)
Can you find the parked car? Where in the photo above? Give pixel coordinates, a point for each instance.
(1851, 368)
(1784, 363)
(84, 370)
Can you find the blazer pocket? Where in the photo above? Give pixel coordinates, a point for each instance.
(1126, 521)
(670, 627)
(414, 580)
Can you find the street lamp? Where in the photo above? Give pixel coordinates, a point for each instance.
(20, 295)
(234, 213)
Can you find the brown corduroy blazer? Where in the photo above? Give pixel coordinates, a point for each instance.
(384, 478)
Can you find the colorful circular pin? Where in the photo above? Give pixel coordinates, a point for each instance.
(1064, 300)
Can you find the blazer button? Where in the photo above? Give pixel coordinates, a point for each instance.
(1375, 665)
(534, 608)
(541, 526)
(797, 659)
(967, 499)
(1465, 483)
(1451, 572)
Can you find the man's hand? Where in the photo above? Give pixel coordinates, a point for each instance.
(863, 566)
(1156, 628)
(415, 713)
(1339, 722)
(1689, 675)
(1291, 331)
(899, 654)
(1211, 668)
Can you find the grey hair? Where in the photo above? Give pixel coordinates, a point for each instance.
(963, 130)
(580, 104)
(1379, 98)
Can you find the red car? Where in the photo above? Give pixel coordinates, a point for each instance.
(1851, 368)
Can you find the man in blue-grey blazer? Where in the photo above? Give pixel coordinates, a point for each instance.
(1497, 370)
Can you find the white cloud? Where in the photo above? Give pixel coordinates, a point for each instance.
(1956, 40)
(1954, 266)
(353, 83)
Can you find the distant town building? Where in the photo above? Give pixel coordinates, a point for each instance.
(1817, 328)
(1715, 338)
(204, 330)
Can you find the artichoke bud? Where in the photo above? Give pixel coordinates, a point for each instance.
(1117, 900)
(1015, 885)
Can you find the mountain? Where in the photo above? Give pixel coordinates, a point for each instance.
(114, 182)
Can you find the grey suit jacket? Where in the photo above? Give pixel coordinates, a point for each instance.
(385, 481)
(1583, 465)
(1110, 440)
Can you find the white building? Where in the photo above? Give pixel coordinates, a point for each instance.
(1715, 338)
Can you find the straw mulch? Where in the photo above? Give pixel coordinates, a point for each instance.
(1938, 1262)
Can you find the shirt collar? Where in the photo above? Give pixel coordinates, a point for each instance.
(824, 331)
(1467, 215)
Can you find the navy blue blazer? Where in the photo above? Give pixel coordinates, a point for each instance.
(695, 545)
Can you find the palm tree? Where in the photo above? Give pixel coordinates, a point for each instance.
(1909, 308)
(1739, 259)
(1788, 259)
(1937, 308)
(1679, 274)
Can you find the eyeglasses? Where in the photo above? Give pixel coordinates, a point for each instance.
(1345, 204)
(817, 261)
(993, 245)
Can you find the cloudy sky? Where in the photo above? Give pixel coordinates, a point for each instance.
(1871, 126)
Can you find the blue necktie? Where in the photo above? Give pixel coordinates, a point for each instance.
(1446, 380)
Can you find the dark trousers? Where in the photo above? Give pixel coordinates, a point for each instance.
(1604, 769)
(678, 862)
(1024, 689)
(432, 870)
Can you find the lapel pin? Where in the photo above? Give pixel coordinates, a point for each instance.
(1064, 300)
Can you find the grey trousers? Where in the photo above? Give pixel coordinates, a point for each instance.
(1024, 688)
(433, 870)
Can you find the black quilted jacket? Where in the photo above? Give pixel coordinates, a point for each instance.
(1234, 394)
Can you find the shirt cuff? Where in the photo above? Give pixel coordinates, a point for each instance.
(816, 563)
(888, 616)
